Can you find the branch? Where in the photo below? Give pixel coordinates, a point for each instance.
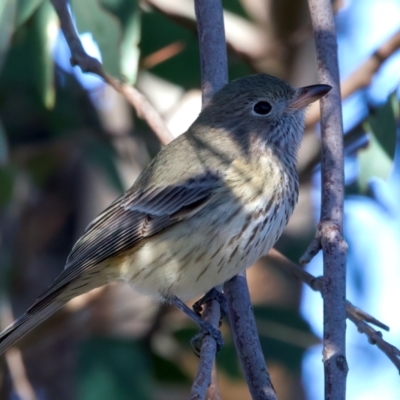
(90, 64)
(359, 317)
(330, 229)
(214, 74)
(245, 336)
(362, 76)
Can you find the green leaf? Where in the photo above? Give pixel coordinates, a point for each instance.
(106, 31)
(181, 68)
(44, 18)
(29, 65)
(8, 10)
(373, 162)
(26, 8)
(113, 369)
(3, 146)
(228, 361)
(129, 17)
(103, 155)
(7, 175)
(166, 371)
(382, 124)
(284, 335)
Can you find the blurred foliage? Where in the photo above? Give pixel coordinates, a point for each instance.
(49, 125)
(113, 369)
(376, 159)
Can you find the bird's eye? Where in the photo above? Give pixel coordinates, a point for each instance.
(262, 108)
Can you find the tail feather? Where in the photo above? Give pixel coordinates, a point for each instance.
(49, 302)
(26, 323)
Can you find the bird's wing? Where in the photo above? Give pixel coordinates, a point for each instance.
(131, 218)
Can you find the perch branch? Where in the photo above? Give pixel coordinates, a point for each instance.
(90, 64)
(213, 59)
(214, 74)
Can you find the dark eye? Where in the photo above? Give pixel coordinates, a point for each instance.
(262, 108)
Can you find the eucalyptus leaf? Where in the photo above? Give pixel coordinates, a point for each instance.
(6, 185)
(284, 335)
(382, 124)
(106, 30)
(102, 155)
(29, 63)
(113, 369)
(129, 16)
(42, 21)
(26, 8)
(8, 10)
(373, 162)
(3, 146)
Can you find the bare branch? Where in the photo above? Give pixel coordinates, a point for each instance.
(246, 339)
(214, 74)
(330, 229)
(362, 76)
(359, 317)
(213, 56)
(208, 350)
(89, 64)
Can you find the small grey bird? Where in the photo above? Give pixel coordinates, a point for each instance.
(209, 205)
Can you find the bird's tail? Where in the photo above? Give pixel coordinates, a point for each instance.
(28, 321)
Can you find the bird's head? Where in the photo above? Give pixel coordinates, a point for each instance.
(261, 109)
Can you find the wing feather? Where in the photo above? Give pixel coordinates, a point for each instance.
(131, 218)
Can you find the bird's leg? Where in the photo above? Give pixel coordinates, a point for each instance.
(206, 327)
(211, 295)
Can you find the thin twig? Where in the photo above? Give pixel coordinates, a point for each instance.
(358, 316)
(90, 64)
(362, 76)
(330, 228)
(214, 74)
(211, 313)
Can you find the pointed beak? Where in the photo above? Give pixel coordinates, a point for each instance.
(307, 95)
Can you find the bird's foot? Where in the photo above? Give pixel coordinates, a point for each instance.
(211, 295)
(205, 327)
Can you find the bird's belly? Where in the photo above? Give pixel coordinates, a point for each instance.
(191, 258)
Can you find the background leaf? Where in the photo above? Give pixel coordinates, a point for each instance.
(382, 124)
(129, 16)
(8, 10)
(113, 369)
(26, 8)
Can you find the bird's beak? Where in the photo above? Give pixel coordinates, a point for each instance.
(307, 95)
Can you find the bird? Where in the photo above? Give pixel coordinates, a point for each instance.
(209, 204)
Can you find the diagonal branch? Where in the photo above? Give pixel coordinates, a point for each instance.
(90, 64)
(359, 317)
